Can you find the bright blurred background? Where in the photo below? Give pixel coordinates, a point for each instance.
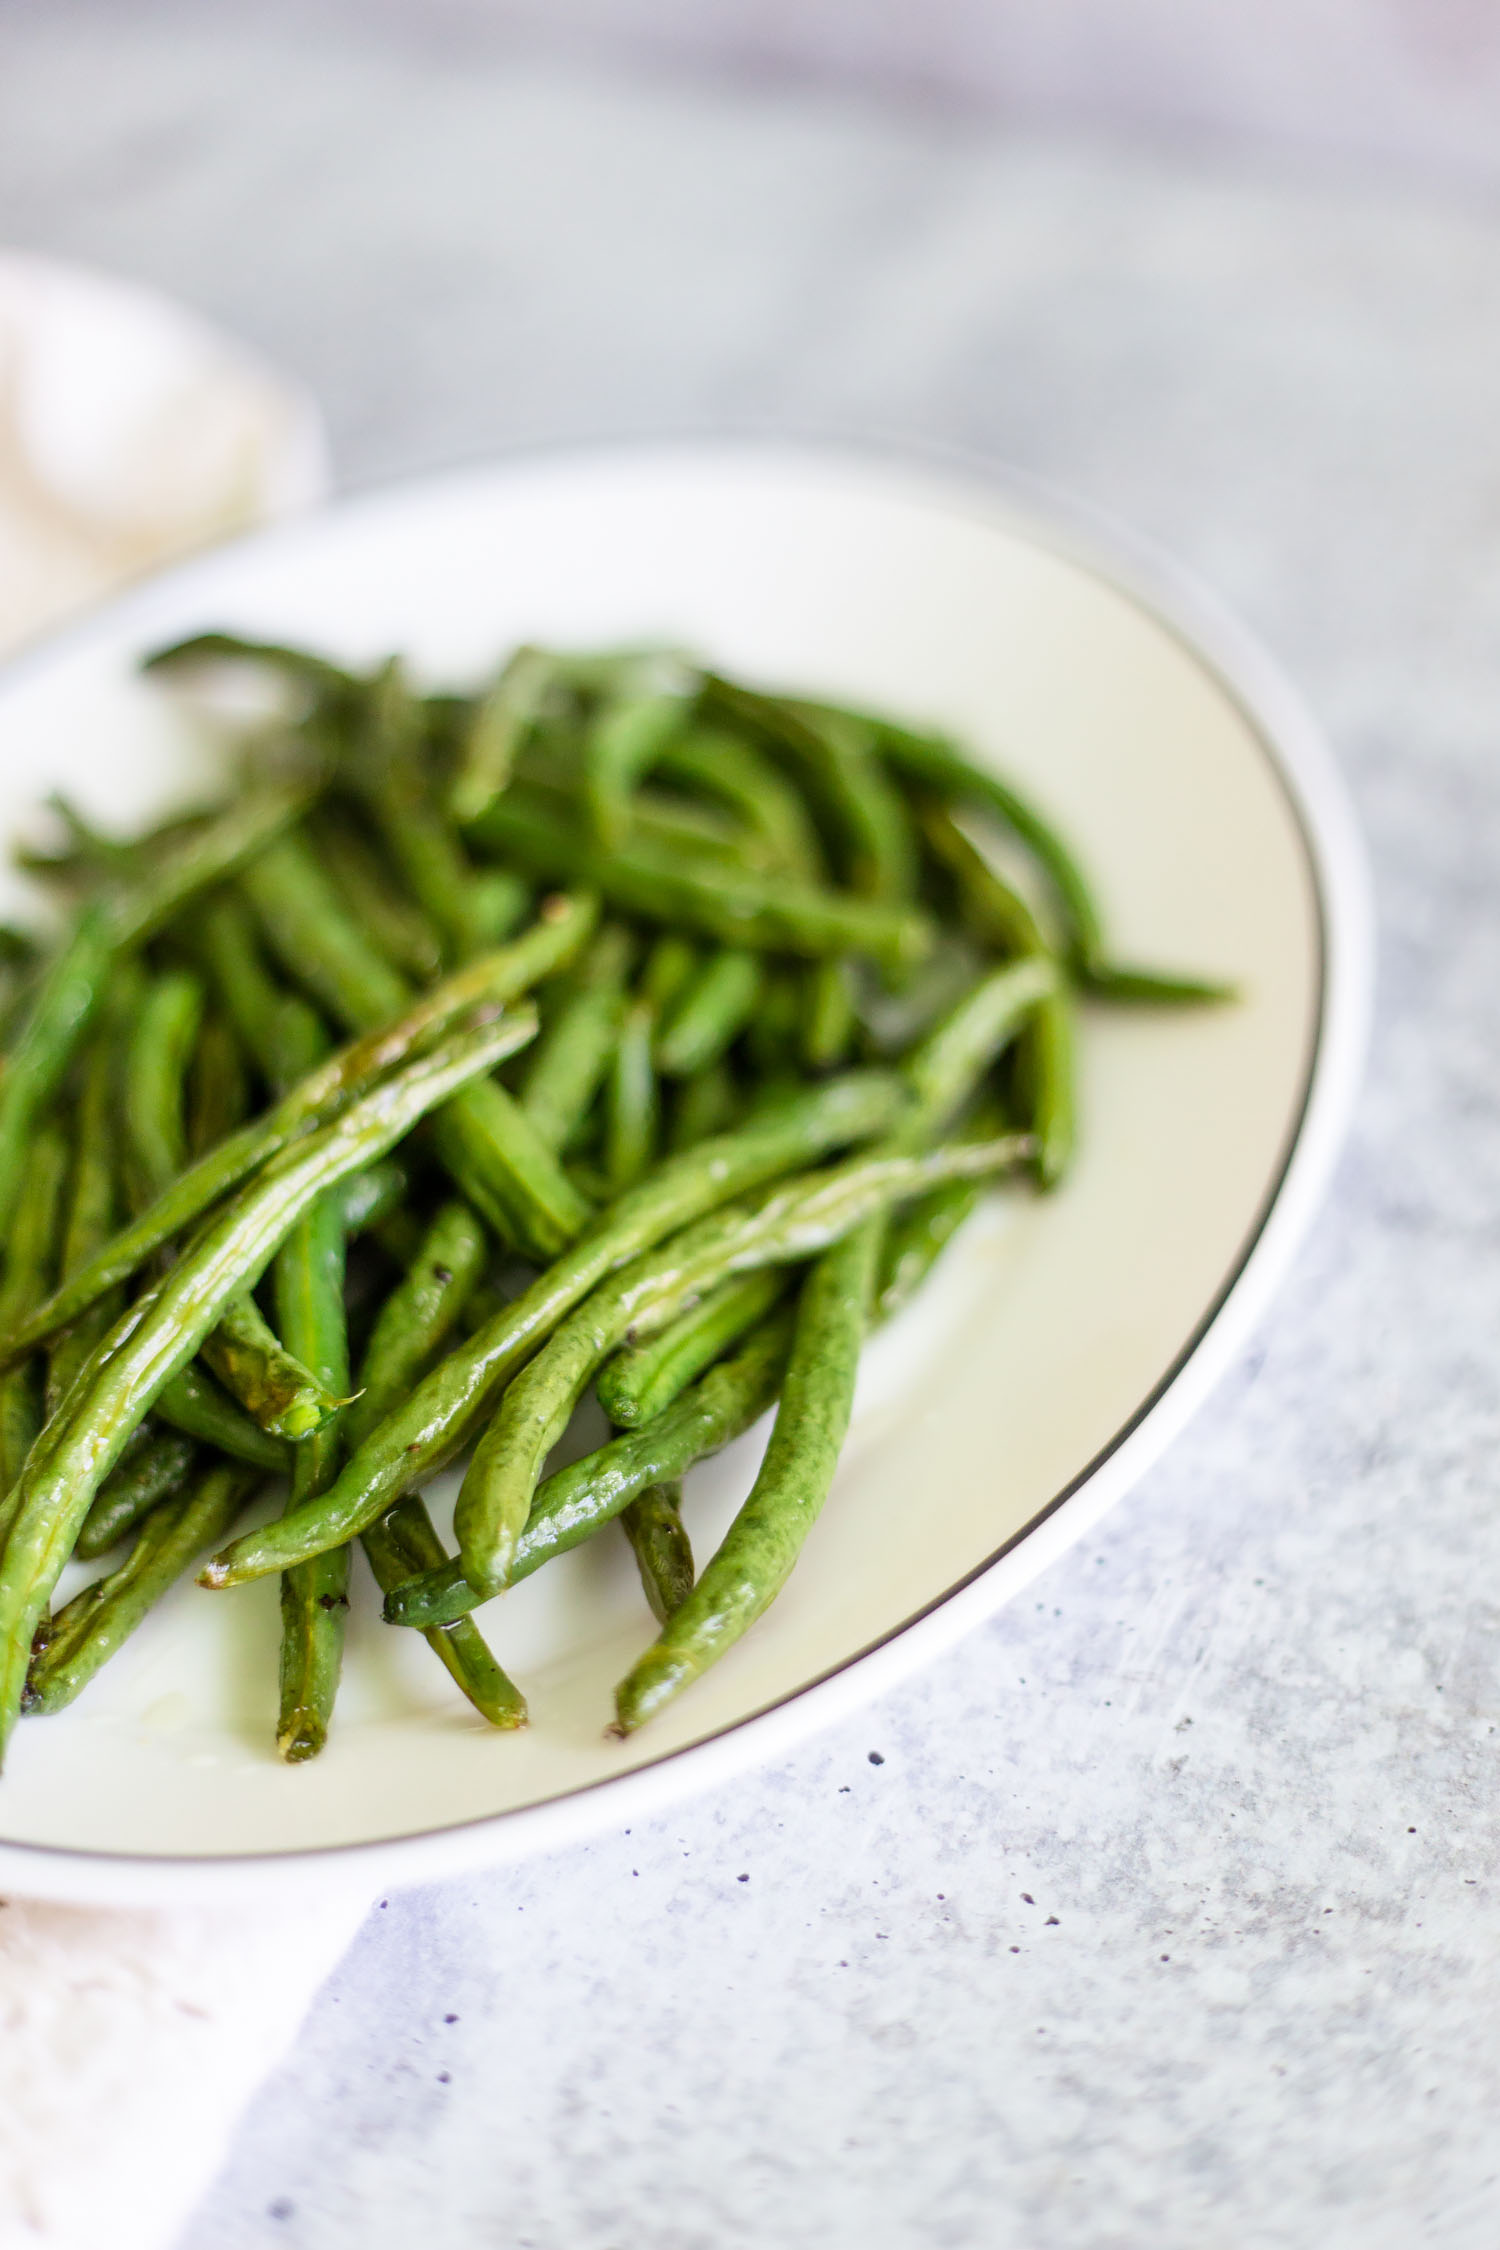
(1415, 80)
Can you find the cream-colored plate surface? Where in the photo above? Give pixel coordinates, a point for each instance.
(1062, 1341)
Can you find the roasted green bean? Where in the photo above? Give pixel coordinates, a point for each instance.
(642, 878)
(309, 1284)
(792, 886)
(166, 1327)
(709, 1014)
(403, 1546)
(577, 1501)
(572, 1057)
(318, 1098)
(193, 1404)
(157, 1471)
(643, 1379)
(29, 1254)
(496, 730)
(418, 1317)
(936, 765)
(785, 1224)
(632, 1116)
(99, 1620)
(749, 1569)
(663, 1553)
(422, 1436)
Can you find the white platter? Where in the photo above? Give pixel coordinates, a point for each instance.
(1064, 1341)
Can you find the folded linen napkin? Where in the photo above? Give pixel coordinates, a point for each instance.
(130, 433)
(130, 2042)
(129, 2046)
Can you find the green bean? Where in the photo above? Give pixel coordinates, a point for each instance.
(54, 1021)
(591, 1183)
(166, 1327)
(326, 680)
(105, 1615)
(504, 1167)
(410, 1447)
(830, 753)
(225, 934)
(936, 765)
(277, 1391)
(794, 1220)
(274, 1385)
(29, 1252)
(572, 1056)
(882, 853)
(393, 786)
(709, 1015)
(308, 931)
(418, 1317)
(772, 912)
(14, 979)
(157, 1471)
(218, 1091)
(193, 1403)
(990, 909)
(1046, 1070)
(155, 1076)
(943, 1069)
(499, 723)
(193, 863)
(776, 1028)
(828, 1026)
(399, 928)
(368, 1199)
(404, 1544)
(496, 1157)
(18, 949)
(723, 766)
(500, 902)
(643, 1379)
(705, 1104)
(347, 1075)
(669, 966)
(749, 1569)
(309, 1283)
(63, 1004)
(577, 1501)
(663, 1553)
(632, 1116)
(90, 855)
(1154, 988)
(621, 746)
(92, 1207)
(917, 1238)
(693, 832)
(920, 1231)
(399, 1236)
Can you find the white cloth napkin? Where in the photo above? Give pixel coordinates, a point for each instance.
(130, 2043)
(130, 433)
(129, 2046)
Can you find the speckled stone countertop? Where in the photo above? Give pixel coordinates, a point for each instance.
(1164, 1910)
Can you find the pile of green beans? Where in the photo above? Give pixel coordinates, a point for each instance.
(337, 1144)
